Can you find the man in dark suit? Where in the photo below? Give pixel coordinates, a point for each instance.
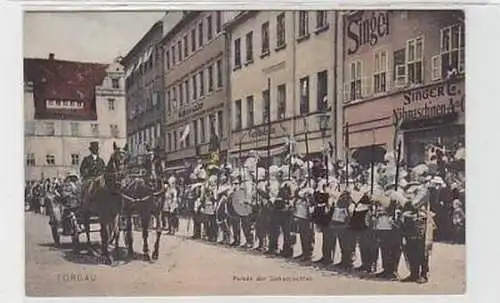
(92, 166)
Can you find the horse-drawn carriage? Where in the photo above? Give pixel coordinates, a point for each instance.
(64, 210)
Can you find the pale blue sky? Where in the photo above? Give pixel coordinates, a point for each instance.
(84, 36)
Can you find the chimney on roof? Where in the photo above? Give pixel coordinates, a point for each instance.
(52, 56)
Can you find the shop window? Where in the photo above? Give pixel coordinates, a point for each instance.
(380, 73)
(452, 50)
(249, 47)
(250, 112)
(281, 101)
(237, 111)
(304, 95)
(303, 24)
(265, 38)
(322, 89)
(414, 63)
(237, 53)
(280, 29)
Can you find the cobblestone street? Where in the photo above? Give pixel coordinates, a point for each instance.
(187, 267)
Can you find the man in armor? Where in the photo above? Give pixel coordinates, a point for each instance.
(361, 226)
(414, 226)
(208, 208)
(322, 215)
(171, 204)
(388, 235)
(341, 216)
(263, 212)
(280, 215)
(304, 225)
(92, 166)
(222, 192)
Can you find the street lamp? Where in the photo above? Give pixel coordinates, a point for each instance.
(323, 122)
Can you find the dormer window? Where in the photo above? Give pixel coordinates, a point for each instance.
(115, 83)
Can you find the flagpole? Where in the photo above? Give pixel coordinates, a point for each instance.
(372, 163)
(347, 154)
(307, 153)
(268, 131)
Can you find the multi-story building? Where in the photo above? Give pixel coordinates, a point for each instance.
(406, 67)
(67, 105)
(283, 66)
(195, 82)
(144, 87)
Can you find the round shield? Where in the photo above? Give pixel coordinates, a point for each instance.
(239, 203)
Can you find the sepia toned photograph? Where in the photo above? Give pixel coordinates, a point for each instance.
(202, 153)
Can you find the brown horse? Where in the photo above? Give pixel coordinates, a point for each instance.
(143, 195)
(102, 197)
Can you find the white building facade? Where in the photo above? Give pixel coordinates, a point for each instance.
(56, 147)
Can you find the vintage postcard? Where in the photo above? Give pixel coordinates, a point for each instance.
(192, 153)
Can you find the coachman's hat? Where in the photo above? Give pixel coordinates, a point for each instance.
(94, 145)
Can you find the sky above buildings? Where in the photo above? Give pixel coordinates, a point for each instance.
(84, 36)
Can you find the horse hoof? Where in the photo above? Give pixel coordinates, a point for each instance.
(147, 258)
(155, 255)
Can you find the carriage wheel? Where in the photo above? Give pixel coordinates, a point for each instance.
(75, 237)
(55, 235)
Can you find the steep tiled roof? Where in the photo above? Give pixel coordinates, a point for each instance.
(64, 81)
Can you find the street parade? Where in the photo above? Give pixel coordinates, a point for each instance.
(270, 209)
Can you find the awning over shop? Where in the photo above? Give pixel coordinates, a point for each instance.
(261, 153)
(364, 155)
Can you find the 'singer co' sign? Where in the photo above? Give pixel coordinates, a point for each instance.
(366, 31)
